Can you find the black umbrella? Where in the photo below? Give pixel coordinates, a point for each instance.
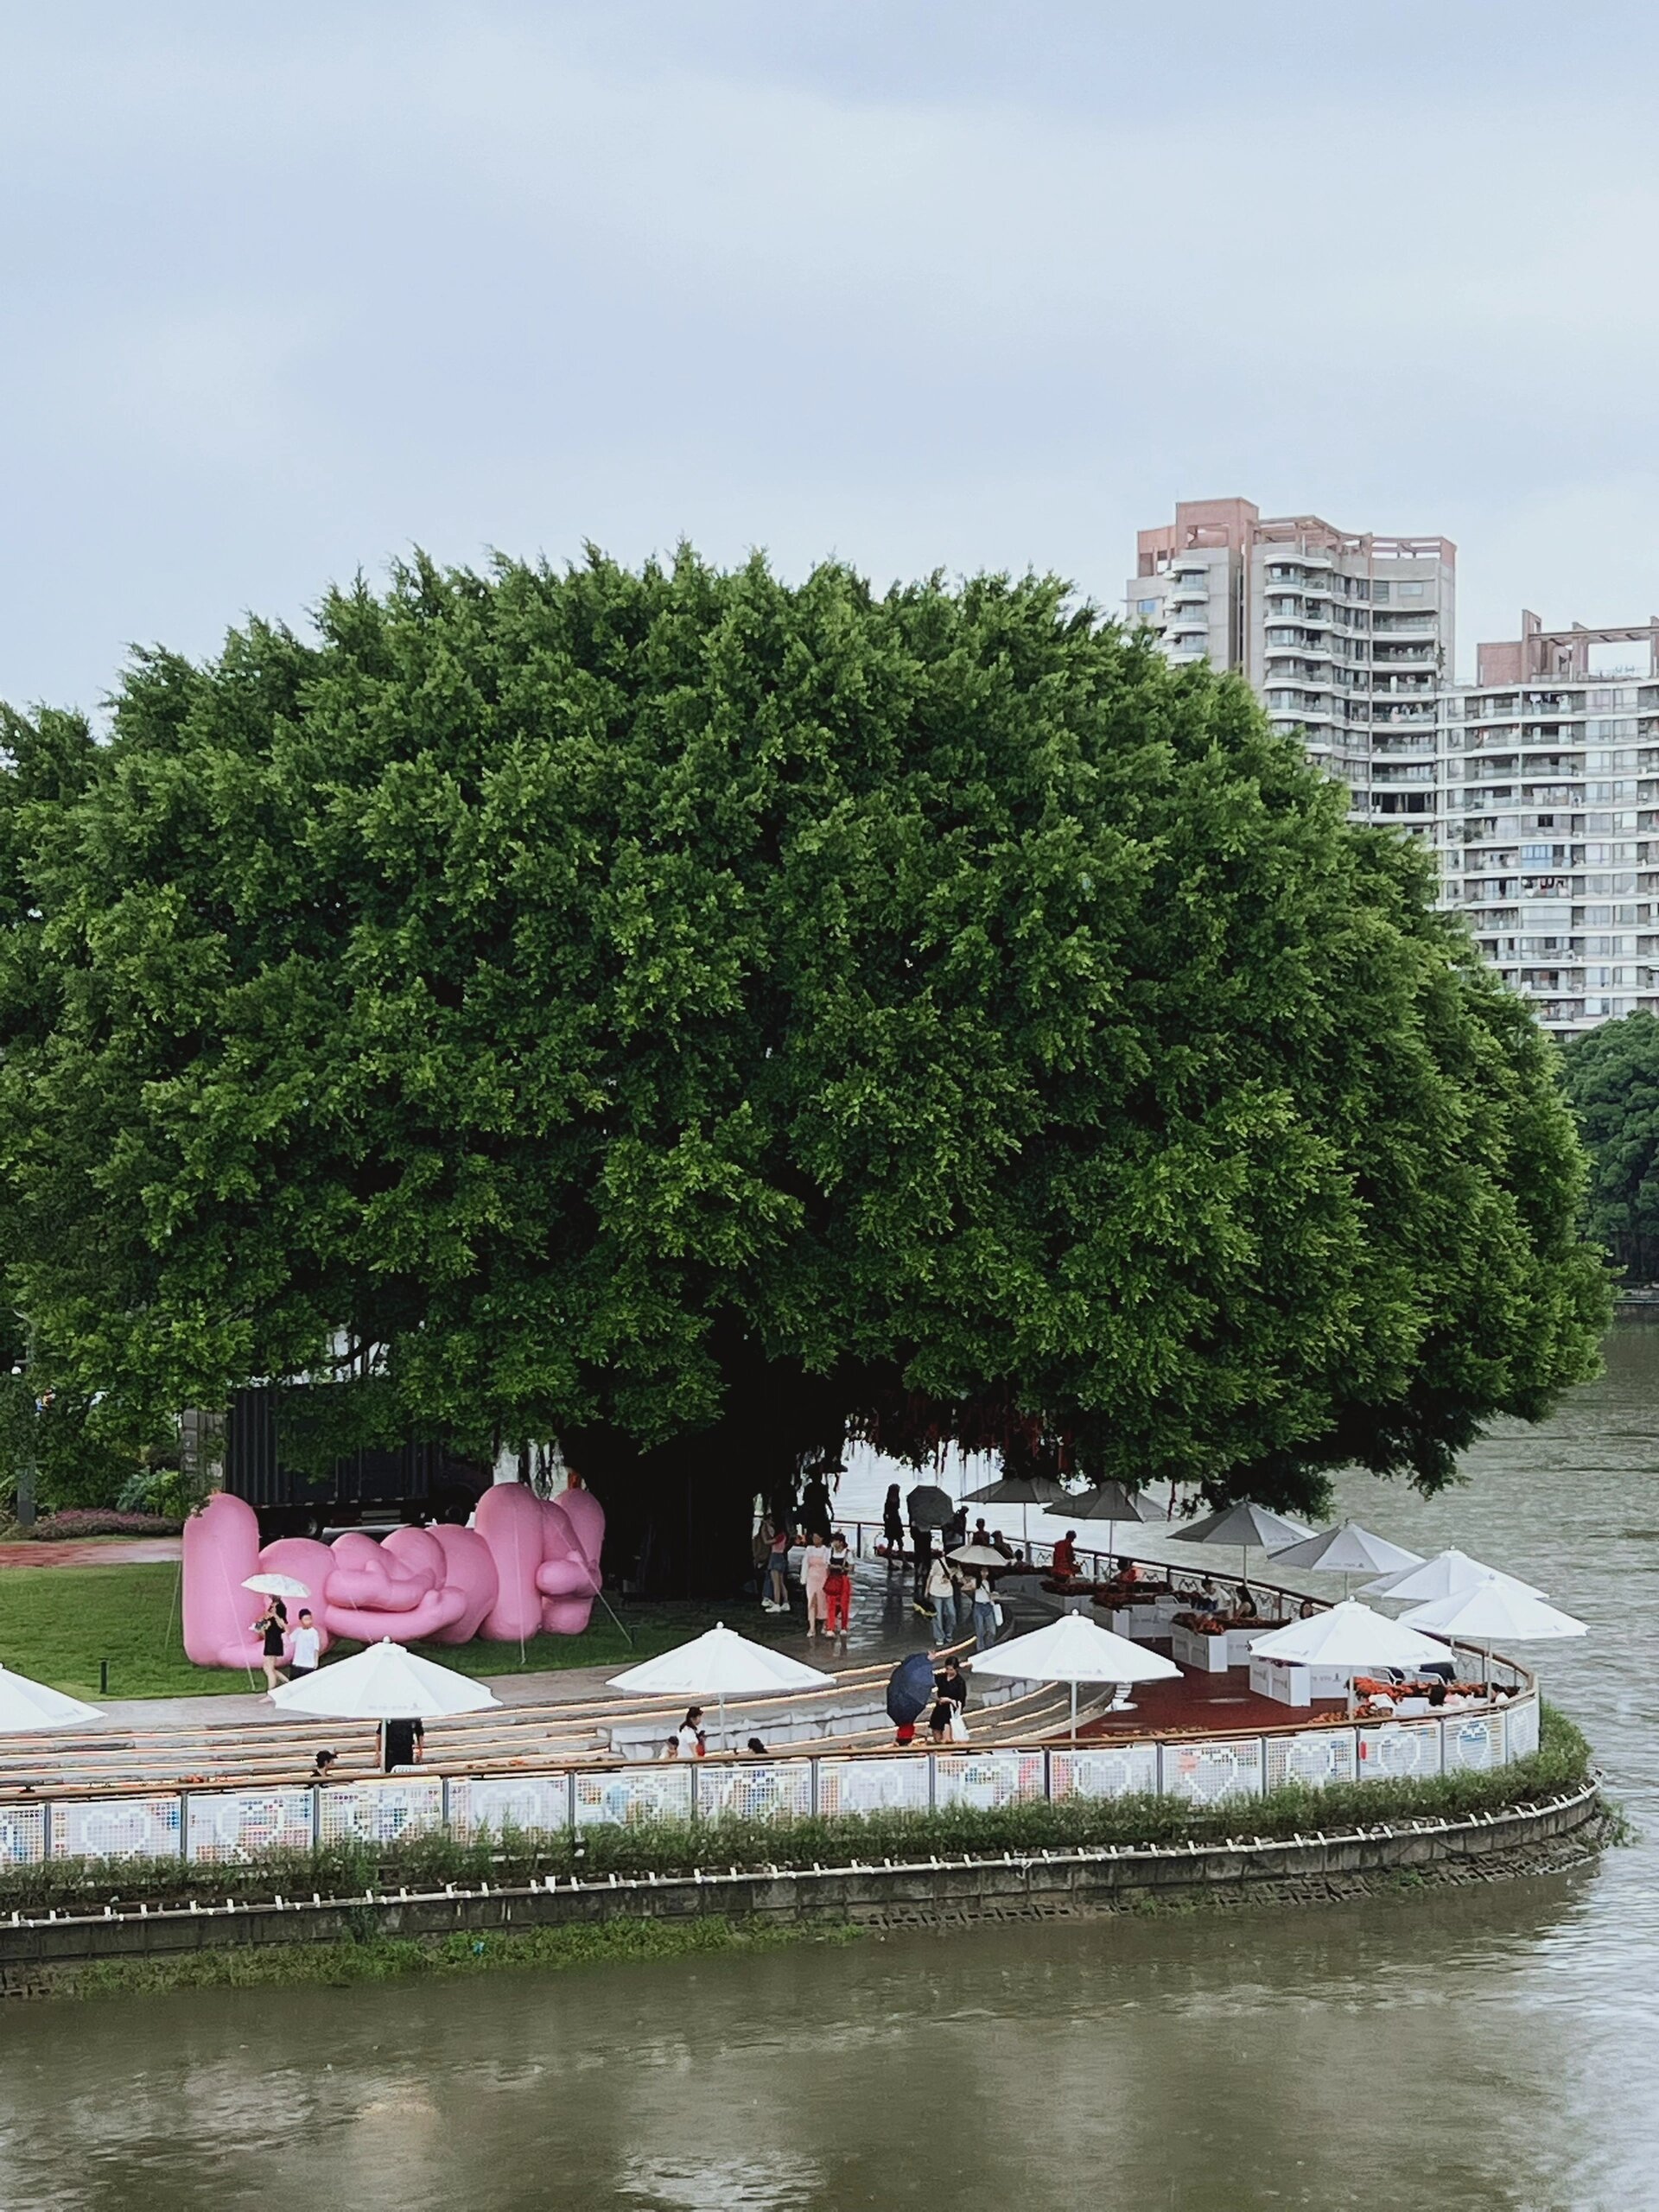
(910, 1689)
(928, 1507)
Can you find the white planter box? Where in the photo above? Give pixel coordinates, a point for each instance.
(1207, 1653)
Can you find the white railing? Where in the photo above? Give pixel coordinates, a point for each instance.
(209, 1826)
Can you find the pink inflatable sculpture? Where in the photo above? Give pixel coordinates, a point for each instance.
(530, 1564)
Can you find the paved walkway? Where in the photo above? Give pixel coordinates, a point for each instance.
(94, 1551)
(883, 1627)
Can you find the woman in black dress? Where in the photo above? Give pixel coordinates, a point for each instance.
(272, 1626)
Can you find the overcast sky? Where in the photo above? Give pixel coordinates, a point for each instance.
(286, 290)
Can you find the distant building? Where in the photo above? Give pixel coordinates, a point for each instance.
(1348, 637)
(1550, 784)
(1537, 785)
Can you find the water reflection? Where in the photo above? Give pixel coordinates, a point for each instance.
(1493, 2046)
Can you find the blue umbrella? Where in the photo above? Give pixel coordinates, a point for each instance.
(910, 1689)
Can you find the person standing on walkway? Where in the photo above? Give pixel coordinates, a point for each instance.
(403, 1743)
(817, 1510)
(922, 1540)
(308, 1647)
(815, 1570)
(272, 1628)
(838, 1590)
(941, 1594)
(984, 1612)
(892, 1528)
(775, 1599)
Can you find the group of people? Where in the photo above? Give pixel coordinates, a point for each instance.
(690, 1740)
(946, 1722)
(960, 1598)
(826, 1577)
(272, 1629)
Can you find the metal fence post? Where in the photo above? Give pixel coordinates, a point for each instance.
(817, 1796)
(697, 1794)
(443, 1803)
(316, 1817)
(932, 1782)
(1048, 1776)
(184, 1824)
(570, 1799)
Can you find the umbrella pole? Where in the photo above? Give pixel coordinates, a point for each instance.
(1074, 1713)
(721, 1702)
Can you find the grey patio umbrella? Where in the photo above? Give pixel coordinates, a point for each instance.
(1023, 1490)
(1243, 1524)
(1110, 1503)
(1348, 1550)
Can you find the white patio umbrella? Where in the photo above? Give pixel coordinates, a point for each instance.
(1244, 1525)
(720, 1664)
(1110, 1503)
(1348, 1550)
(385, 1682)
(277, 1586)
(27, 1705)
(1441, 1577)
(1496, 1611)
(1348, 1637)
(1075, 1649)
(1023, 1490)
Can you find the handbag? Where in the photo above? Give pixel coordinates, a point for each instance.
(958, 1726)
(996, 1615)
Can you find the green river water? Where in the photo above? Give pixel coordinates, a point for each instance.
(1495, 2047)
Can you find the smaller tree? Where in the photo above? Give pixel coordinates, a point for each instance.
(1612, 1083)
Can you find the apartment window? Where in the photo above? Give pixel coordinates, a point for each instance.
(1411, 591)
(1146, 606)
(1380, 594)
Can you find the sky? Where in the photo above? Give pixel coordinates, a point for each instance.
(916, 284)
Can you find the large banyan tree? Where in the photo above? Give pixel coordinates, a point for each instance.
(700, 1018)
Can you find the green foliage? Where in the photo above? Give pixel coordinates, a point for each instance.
(601, 1000)
(377, 1957)
(1612, 1082)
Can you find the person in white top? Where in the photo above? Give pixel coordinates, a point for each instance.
(815, 1569)
(688, 1743)
(307, 1646)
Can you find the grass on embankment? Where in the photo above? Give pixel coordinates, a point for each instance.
(669, 1848)
(57, 1622)
(375, 1958)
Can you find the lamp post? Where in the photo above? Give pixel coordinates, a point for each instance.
(25, 1499)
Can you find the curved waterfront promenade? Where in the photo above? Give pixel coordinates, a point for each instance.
(206, 1791)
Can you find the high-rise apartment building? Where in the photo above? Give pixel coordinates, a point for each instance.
(1549, 769)
(1349, 637)
(1537, 785)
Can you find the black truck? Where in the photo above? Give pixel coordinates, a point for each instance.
(416, 1482)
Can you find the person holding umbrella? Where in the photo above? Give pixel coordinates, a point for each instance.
(272, 1628)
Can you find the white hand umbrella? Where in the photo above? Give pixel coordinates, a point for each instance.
(1441, 1577)
(1075, 1649)
(1494, 1610)
(385, 1682)
(1245, 1524)
(1347, 1551)
(976, 1555)
(27, 1705)
(277, 1585)
(721, 1664)
(1110, 1503)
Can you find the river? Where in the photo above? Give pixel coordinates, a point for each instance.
(1493, 2048)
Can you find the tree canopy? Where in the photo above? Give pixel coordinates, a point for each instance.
(1613, 1081)
(698, 1016)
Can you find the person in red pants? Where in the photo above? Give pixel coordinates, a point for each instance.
(838, 1590)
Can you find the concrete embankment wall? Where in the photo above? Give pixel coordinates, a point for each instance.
(917, 1892)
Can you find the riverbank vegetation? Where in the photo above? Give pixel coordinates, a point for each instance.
(668, 1848)
(374, 1957)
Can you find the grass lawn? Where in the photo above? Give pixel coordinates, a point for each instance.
(57, 1622)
